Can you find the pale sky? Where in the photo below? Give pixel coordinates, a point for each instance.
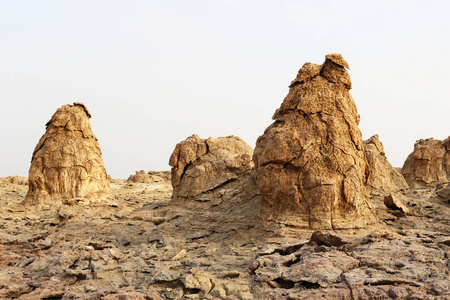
(153, 73)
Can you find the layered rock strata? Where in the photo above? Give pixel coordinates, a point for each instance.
(381, 176)
(429, 164)
(67, 162)
(310, 165)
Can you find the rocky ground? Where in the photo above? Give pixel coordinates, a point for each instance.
(137, 245)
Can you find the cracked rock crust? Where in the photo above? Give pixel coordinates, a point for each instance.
(310, 164)
(66, 163)
(212, 170)
(381, 176)
(429, 164)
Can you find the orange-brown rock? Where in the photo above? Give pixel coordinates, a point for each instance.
(310, 165)
(381, 176)
(212, 169)
(429, 164)
(393, 202)
(67, 162)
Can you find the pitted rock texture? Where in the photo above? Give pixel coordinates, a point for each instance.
(137, 245)
(429, 164)
(213, 170)
(381, 177)
(67, 163)
(310, 165)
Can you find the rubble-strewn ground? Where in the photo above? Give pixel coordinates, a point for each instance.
(137, 246)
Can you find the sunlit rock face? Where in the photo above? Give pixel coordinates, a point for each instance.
(309, 164)
(211, 170)
(67, 162)
(429, 164)
(381, 176)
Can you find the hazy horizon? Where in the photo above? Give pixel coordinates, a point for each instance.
(153, 73)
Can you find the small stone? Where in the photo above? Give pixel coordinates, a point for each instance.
(393, 202)
(234, 289)
(326, 239)
(205, 282)
(245, 295)
(218, 292)
(190, 282)
(180, 255)
(167, 275)
(157, 220)
(175, 293)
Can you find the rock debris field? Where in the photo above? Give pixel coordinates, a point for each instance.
(138, 246)
(313, 212)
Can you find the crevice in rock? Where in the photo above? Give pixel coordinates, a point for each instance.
(188, 291)
(349, 287)
(289, 249)
(184, 170)
(283, 284)
(309, 285)
(221, 185)
(294, 261)
(391, 282)
(55, 296)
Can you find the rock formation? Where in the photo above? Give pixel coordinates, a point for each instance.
(213, 170)
(381, 176)
(150, 177)
(66, 162)
(429, 164)
(310, 165)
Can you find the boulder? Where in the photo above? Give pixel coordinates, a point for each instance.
(429, 164)
(67, 162)
(381, 176)
(393, 202)
(212, 170)
(310, 164)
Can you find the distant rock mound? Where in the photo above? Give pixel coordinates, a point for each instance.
(310, 165)
(212, 170)
(15, 180)
(429, 164)
(381, 176)
(67, 162)
(150, 177)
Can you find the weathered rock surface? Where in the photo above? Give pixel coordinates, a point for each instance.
(150, 177)
(429, 164)
(381, 176)
(67, 163)
(137, 245)
(214, 171)
(445, 193)
(310, 165)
